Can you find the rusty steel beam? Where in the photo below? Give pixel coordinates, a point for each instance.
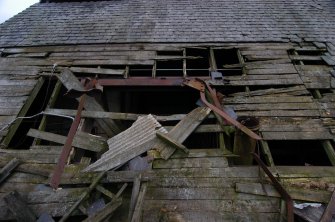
(144, 81)
(279, 188)
(58, 171)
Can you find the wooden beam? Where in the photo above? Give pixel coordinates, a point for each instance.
(22, 113)
(182, 130)
(134, 196)
(296, 193)
(172, 142)
(81, 140)
(8, 168)
(137, 215)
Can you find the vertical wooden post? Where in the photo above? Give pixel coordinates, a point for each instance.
(184, 63)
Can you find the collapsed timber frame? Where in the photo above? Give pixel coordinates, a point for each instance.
(186, 171)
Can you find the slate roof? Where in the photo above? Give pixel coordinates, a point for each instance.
(171, 21)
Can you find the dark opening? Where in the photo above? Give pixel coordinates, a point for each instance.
(298, 153)
(157, 100)
(169, 68)
(202, 141)
(225, 57)
(170, 53)
(140, 71)
(199, 66)
(314, 62)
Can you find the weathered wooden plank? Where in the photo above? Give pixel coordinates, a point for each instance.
(134, 141)
(29, 55)
(311, 135)
(274, 70)
(296, 194)
(241, 82)
(212, 162)
(280, 113)
(278, 106)
(251, 77)
(171, 141)
(202, 216)
(287, 91)
(270, 205)
(182, 130)
(200, 153)
(268, 99)
(134, 196)
(97, 71)
(81, 140)
(19, 208)
(32, 157)
(137, 216)
(305, 58)
(196, 193)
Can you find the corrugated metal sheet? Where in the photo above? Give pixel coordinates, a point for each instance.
(134, 141)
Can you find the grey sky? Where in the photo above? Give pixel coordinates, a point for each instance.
(9, 8)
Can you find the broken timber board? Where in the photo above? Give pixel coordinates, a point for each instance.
(81, 140)
(182, 130)
(296, 193)
(19, 208)
(8, 168)
(71, 82)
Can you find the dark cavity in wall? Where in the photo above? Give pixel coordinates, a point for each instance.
(298, 153)
(199, 66)
(224, 57)
(169, 68)
(140, 70)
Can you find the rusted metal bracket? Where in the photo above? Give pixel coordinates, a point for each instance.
(202, 86)
(279, 188)
(58, 171)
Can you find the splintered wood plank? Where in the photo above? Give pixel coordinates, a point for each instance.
(81, 140)
(201, 153)
(213, 162)
(297, 194)
(182, 130)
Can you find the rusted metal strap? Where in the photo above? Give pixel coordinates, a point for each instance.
(201, 86)
(279, 188)
(58, 171)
